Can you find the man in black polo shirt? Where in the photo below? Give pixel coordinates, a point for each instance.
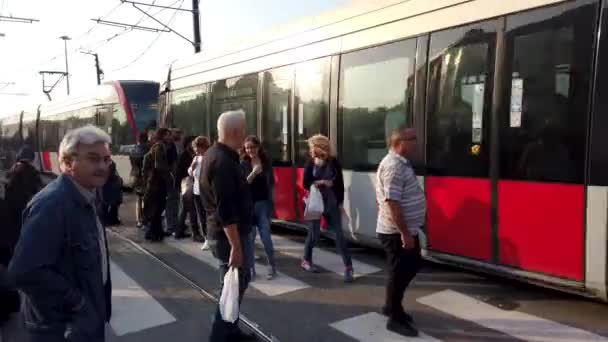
(229, 208)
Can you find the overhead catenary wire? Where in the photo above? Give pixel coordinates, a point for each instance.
(105, 41)
(151, 43)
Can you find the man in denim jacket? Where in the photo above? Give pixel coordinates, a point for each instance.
(61, 260)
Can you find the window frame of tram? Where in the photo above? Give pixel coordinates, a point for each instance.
(192, 120)
(235, 97)
(469, 155)
(349, 126)
(543, 122)
(598, 156)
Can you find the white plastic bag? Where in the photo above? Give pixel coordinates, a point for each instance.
(314, 205)
(229, 300)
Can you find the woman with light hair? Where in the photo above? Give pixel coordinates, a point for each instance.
(325, 172)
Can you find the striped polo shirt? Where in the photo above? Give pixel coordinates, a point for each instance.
(396, 181)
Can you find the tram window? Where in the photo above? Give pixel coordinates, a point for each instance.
(121, 130)
(376, 87)
(545, 110)
(232, 94)
(312, 103)
(49, 135)
(276, 115)
(458, 103)
(189, 110)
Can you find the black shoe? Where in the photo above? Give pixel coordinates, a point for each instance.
(198, 238)
(401, 328)
(181, 235)
(400, 317)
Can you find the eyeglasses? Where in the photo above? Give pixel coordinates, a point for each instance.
(97, 159)
(251, 147)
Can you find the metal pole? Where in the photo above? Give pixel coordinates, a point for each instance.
(197, 26)
(67, 72)
(97, 68)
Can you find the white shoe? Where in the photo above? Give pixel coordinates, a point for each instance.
(205, 246)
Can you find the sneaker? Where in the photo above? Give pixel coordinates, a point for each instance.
(349, 275)
(205, 246)
(309, 267)
(272, 272)
(401, 328)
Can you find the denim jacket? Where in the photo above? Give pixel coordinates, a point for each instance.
(57, 266)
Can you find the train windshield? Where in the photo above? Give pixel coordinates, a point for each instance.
(143, 99)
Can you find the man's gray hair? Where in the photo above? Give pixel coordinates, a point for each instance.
(229, 120)
(87, 135)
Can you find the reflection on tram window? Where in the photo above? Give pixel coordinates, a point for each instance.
(376, 90)
(545, 113)
(189, 110)
(232, 94)
(460, 78)
(312, 104)
(276, 117)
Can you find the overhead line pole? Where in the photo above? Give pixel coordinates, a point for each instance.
(196, 25)
(97, 68)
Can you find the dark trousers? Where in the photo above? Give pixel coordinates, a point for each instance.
(201, 215)
(222, 331)
(154, 205)
(110, 213)
(402, 266)
(187, 209)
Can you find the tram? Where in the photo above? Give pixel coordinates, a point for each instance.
(508, 98)
(121, 108)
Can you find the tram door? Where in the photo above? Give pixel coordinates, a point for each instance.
(295, 107)
(458, 186)
(276, 129)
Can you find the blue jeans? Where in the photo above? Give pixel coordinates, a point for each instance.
(334, 219)
(262, 221)
(221, 330)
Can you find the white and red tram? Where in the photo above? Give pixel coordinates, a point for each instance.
(509, 99)
(121, 108)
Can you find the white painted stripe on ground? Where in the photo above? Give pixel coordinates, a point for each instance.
(133, 308)
(279, 285)
(328, 260)
(514, 323)
(371, 327)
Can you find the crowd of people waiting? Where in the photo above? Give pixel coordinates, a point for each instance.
(225, 192)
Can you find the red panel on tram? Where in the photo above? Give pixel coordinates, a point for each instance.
(459, 216)
(541, 227)
(284, 206)
(46, 161)
(300, 190)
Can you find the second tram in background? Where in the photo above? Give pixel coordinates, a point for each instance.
(123, 109)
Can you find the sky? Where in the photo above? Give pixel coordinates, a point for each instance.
(27, 49)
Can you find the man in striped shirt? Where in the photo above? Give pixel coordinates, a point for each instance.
(402, 211)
